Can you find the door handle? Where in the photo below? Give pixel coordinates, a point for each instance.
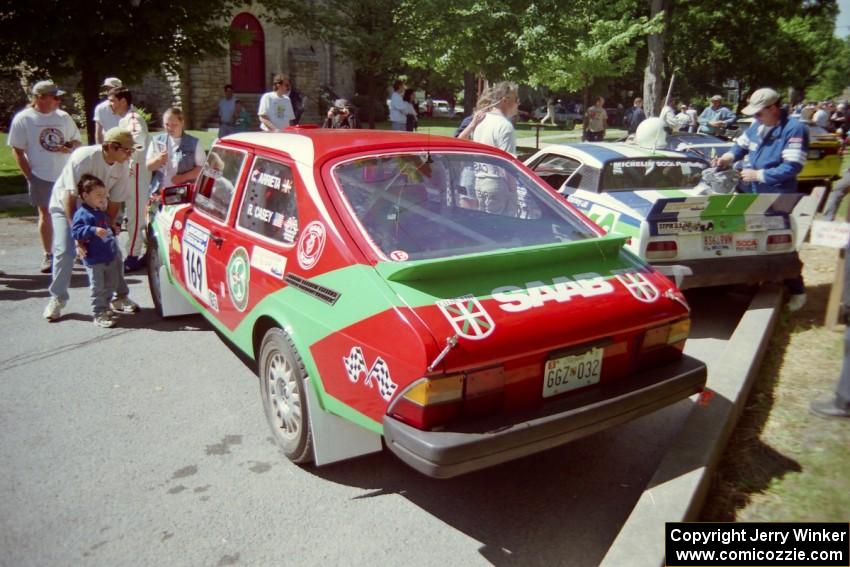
(217, 239)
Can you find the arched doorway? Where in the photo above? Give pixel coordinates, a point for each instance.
(248, 59)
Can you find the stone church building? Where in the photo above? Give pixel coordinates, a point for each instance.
(312, 65)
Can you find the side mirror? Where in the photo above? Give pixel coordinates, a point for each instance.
(177, 195)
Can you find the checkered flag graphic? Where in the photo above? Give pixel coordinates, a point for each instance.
(380, 372)
(355, 364)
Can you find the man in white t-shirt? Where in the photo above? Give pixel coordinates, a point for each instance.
(121, 101)
(107, 162)
(497, 194)
(104, 118)
(42, 137)
(275, 112)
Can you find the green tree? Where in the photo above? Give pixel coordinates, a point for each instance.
(573, 49)
(98, 39)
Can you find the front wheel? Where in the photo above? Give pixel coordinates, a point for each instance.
(283, 391)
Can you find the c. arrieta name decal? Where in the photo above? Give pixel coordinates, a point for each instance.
(562, 288)
(355, 365)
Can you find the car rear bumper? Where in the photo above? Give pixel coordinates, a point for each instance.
(738, 269)
(444, 454)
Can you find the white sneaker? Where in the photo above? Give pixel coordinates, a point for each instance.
(53, 310)
(104, 320)
(796, 302)
(124, 305)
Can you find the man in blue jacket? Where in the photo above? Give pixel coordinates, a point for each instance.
(775, 147)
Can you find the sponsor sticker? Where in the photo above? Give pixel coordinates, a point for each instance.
(178, 225)
(764, 222)
(213, 301)
(238, 275)
(684, 227)
(268, 262)
(290, 229)
(378, 373)
(468, 317)
(399, 255)
(311, 244)
(747, 245)
(175, 244)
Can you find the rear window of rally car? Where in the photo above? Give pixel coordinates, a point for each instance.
(432, 205)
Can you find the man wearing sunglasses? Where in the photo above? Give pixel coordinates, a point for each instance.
(108, 162)
(42, 137)
(776, 147)
(275, 111)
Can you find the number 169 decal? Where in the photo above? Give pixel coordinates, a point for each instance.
(195, 241)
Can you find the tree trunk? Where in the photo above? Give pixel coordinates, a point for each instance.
(653, 87)
(91, 90)
(469, 94)
(370, 90)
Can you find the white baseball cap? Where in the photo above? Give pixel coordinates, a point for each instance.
(112, 82)
(761, 99)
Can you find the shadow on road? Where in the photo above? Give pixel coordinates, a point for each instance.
(14, 287)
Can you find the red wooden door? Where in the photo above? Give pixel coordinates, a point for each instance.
(248, 59)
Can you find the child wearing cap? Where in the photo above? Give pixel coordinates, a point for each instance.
(90, 228)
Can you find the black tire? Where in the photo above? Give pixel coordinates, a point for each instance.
(283, 390)
(153, 265)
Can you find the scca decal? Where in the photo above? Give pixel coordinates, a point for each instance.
(536, 294)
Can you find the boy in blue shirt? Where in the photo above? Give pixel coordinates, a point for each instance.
(90, 228)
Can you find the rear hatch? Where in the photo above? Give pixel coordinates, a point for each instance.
(583, 307)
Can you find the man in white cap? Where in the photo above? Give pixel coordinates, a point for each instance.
(104, 118)
(776, 147)
(121, 102)
(107, 162)
(716, 117)
(42, 137)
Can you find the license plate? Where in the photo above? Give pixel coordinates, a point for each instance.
(717, 242)
(814, 154)
(567, 373)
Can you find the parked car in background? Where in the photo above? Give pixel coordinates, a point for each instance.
(382, 303)
(651, 196)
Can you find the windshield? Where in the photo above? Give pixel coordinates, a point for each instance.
(652, 173)
(434, 205)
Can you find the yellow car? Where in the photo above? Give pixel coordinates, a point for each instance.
(824, 161)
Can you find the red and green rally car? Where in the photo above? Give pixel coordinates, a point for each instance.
(382, 304)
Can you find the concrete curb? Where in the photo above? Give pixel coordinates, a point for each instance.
(678, 488)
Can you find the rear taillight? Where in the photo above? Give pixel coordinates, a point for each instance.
(661, 250)
(431, 402)
(664, 343)
(777, 242)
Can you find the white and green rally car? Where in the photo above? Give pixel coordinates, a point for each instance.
(650, 196)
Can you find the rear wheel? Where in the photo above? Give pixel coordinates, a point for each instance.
(283, 391)
(154, 263)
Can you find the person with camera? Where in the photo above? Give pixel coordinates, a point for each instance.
(42, 137)
(341, 115)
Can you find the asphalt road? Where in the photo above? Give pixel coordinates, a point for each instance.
(146, 445)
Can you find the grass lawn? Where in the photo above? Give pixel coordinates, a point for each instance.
(783, 464)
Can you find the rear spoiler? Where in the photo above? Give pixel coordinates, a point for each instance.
(599, 252)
